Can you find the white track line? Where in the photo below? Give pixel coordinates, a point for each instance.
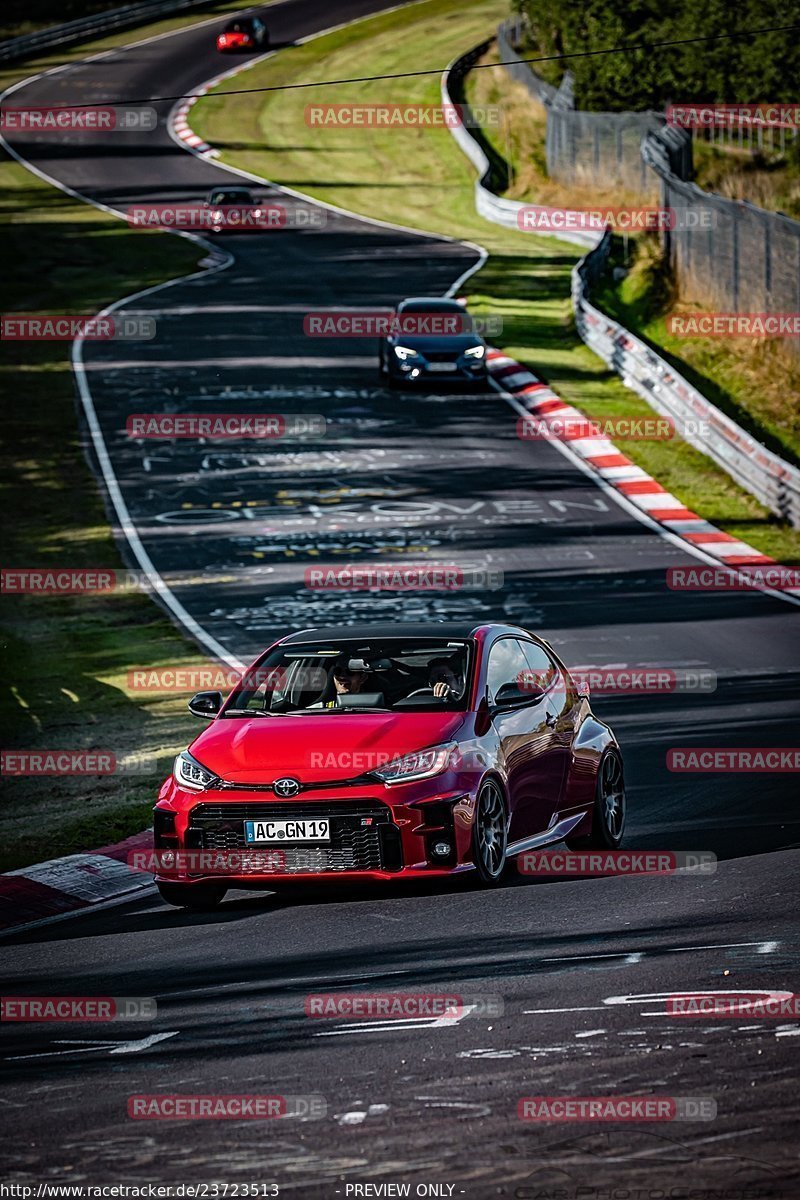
(126, 523)
(180, 109)
(183, 107)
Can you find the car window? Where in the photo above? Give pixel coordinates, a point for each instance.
(231, 198)
(417, 306)
(507, 664)
(542, 669)
(429, 674)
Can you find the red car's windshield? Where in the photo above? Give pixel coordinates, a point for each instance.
(406, 674)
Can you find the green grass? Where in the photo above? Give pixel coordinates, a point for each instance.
(754, 382)
(66, 659)
(421, 179)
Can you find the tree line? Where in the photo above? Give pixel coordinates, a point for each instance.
(748, 69)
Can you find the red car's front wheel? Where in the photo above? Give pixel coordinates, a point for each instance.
(490, 834)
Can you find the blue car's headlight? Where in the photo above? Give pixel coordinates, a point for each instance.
(475, 352)
(403, 352)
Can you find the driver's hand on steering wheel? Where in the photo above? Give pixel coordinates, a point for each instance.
(442, 690)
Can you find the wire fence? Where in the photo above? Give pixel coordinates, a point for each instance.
(729, 254)
(724, 254)
(520, 71)
(765, 475)
(586, 149)
(601, 150)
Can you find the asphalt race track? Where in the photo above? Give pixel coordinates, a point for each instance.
(440, 477)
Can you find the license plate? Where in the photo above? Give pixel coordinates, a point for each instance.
(271, 832)
(442, 367)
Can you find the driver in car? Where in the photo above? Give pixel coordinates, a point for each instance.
(443, 680)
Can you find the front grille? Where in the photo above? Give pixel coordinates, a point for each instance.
(227, 785)
(353, 845)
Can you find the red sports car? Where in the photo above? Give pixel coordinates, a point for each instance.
(243, 33)
(383, 753)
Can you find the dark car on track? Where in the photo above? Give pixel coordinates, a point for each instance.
(433, 340)
(242, 33)
(237, 210)
(381, 753)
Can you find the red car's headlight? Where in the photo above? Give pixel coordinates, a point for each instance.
(422, 764)
(189, 773)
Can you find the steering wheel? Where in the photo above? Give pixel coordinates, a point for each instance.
(424, 691)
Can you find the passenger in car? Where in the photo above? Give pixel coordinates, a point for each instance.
(345, 682)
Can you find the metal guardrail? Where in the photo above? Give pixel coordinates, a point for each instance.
(765, 475)
(494, 208)
(86, 27)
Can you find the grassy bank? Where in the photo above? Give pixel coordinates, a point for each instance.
(769, 179)
(757, 383)
(67, 659)
(420, 178)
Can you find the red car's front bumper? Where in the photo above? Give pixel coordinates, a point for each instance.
(376, 834)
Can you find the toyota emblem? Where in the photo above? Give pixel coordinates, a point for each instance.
(286, 787)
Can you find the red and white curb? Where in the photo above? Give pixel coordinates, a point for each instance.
(66, 885)
(605, 460)
(180, 125)
(178, 119)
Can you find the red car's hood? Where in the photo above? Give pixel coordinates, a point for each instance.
(314, 748)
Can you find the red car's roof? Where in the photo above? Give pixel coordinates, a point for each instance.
(393, 631)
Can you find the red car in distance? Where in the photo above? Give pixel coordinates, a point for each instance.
(382, 753)
(243, 33)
